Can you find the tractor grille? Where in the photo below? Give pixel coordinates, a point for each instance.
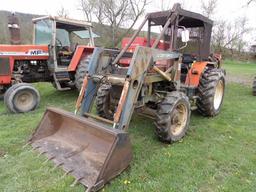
(5, 66)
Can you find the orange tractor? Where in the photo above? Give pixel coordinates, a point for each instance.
(55, 57)
(162, 78)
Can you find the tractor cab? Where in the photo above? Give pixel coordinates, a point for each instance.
(189, 34)
(186, 32)
(62, 36)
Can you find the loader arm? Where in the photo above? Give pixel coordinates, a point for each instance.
(142, 60)
(85, 146)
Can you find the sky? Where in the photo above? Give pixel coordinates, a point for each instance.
(227, 9)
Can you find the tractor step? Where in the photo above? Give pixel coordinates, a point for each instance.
(60, 77)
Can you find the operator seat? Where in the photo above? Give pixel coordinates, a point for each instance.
(187, 60)
(64, 56)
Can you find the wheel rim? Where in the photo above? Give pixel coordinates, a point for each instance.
(24, 100)
(179, 119)
(219, 90)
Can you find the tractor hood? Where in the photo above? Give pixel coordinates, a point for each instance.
(24, 51)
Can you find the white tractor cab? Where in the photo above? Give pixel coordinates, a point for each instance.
(69, 43)
(63, 35)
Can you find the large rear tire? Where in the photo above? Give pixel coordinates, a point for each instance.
(81, 71)
(105, 108)
(254, 86)
(211, 92)
(21, 98)
(173, 117)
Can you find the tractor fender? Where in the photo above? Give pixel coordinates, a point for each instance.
(81, 51)
(195, 72)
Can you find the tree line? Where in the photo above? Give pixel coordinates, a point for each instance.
(228, 37)
(115, 19)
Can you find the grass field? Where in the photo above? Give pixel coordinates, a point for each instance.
(218, 154)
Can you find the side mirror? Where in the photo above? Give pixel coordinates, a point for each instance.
(185, 36)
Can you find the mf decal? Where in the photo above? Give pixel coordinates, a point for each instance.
(37, 52)
(31, 52)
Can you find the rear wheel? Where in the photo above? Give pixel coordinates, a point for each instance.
(81, 71)
(254, 87)
(173, 117)
(105, 108)
(211, 92)
(21, 98)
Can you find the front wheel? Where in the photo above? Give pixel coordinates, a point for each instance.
(173, 117)
(21, 98)
(104, 102)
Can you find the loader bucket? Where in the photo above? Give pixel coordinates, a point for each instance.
(88, 150)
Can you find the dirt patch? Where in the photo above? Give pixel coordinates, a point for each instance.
(239, 79)
(2, 153)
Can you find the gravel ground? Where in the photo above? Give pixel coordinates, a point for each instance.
(239, 79)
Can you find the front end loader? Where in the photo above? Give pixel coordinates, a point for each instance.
(161, 83)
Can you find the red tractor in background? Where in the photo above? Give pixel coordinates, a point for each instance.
(55, 57)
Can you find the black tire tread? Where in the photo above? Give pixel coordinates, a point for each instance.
(81, 71)
(102, 101)
(163, 116)
(10, 93)
(206, 91)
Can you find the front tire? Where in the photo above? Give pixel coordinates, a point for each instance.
(104, 105)
(21, 98)
(173, 117)
(211, 92)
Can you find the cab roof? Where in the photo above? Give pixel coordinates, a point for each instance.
(187, 18)
(66, 23)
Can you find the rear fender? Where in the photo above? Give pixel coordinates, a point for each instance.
(194, 74)
(81, 51)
